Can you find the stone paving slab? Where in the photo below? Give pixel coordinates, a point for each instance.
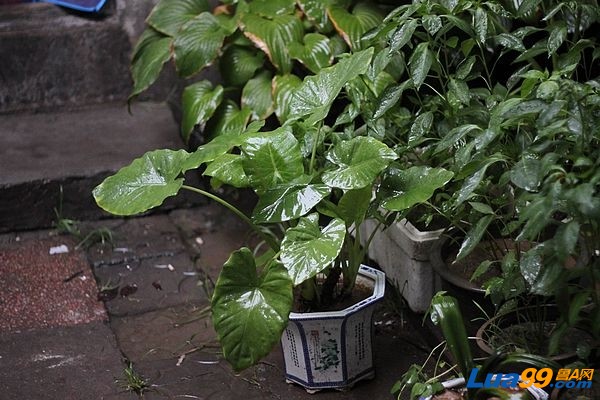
(40, 289)
(135, 239)
(146, 285)
(78, 362)
(164, 334)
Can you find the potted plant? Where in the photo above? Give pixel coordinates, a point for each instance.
(314, 185)
(445, 313)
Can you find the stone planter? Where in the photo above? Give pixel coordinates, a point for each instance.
(405, 253)
(324, 350)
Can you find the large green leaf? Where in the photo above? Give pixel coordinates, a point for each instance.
(228, 169)
(152, 51)
(283, 90)
(287, 202)
(168, 16)
(315, 54)
(389, 98)
(257, 95)
(238, 64)
(403, 34)
(250, 311)
(316, 11)
(357, 162)
(197, 44)
(143, 184)
(272, 158)
(273, 36)
(199, 102)
(306, 250)
(403, 189)
(352, 26)
(420, 63)
(317, 92)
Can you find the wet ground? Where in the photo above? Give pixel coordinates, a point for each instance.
(75, 321)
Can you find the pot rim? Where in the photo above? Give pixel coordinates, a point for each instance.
(376, 277)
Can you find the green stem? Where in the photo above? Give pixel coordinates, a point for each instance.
(314, 150)
(269, 239)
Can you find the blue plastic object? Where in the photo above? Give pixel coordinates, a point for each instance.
(79, 5)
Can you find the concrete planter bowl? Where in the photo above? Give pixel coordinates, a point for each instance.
(333, 350)
(405, 255)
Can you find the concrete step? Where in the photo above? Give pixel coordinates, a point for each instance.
(40, 153)
(52, 58)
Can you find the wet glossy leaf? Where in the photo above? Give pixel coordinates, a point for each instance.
(473, 180)
(238, 64)
(536, 215)
(287, 202)
(316, 11)
(273, 36)
(168, 16)
(228, 169)
(403, 34)
(284, 87)
(420, 127)
(547, 90)
(317, 92)
(272, 158)
(474, 236)
(455, 135)
(352, 26)
(432, 23)
(402, 189)
(464, 69)
(315, 54)
(527, 173)
(481, 24)
(152, 51)
(557, 36)
(510, 42)
(199, 102)
(306, 250)
(197, 44)
(460, 90)
(257, 96)
(565, 239)
(228, 119)
(420, 63)
(272, 7)
(250, 311)
(527, 6)
(144, 184)
(389, 98)
(481, 207)
(357, 162)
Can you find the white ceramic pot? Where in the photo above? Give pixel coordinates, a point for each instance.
(333, 349)
(405, 255)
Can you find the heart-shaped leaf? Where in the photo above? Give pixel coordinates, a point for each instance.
(317, 92)
(306, 250)
(144, 184)
(273, 36)
(150, 54)
(315, 54)
(199, 101)
(357, 162)
(287, 202)
(197, 44)
(250, 311)
(168, 16)
(403, 189)
(239, 64)
(354, 204)
(272, 158)
(257, 95)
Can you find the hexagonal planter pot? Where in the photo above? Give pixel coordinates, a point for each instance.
(324, 350)
(405, 255)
